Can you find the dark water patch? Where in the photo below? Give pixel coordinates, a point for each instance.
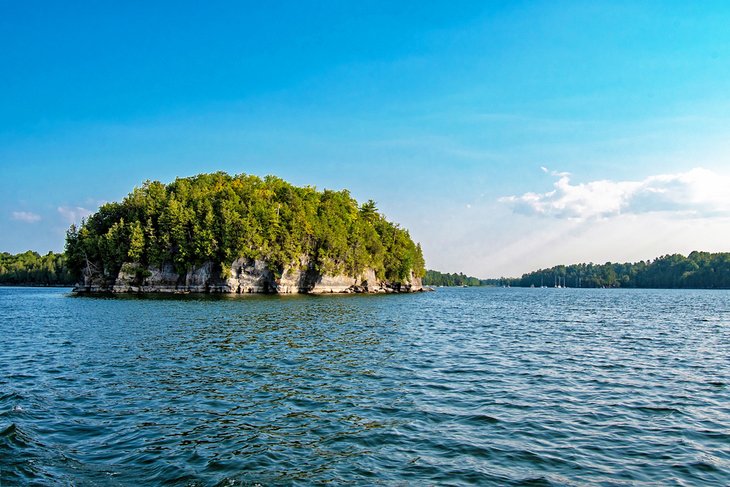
(23, 459)
(14, 437)
(478, 419)
(656, 409)
(10, 397)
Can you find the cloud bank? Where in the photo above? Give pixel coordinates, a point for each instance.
(698, 193)
(26, 216)
(73, 214)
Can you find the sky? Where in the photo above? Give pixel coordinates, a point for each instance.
(506, 136)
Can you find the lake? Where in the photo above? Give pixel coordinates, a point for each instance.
(460, 386)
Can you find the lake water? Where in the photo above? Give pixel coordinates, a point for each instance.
(459, 386)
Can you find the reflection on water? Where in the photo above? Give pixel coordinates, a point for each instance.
(486, 386)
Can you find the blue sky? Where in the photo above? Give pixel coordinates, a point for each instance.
(505, 135)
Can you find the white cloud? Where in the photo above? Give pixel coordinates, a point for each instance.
(26, 216)
(698, 192)
(73, 214)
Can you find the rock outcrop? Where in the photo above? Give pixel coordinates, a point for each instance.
(244, 276)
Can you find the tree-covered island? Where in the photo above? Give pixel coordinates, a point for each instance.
(223, 233)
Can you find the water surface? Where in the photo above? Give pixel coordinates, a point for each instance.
(460, 386)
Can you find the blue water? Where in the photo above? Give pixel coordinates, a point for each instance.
(459, 386)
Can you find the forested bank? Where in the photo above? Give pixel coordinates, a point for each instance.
(698, 270)
(32, 269)
(436, 278)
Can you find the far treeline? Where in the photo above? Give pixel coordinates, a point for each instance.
(32, 269)
(699, 270)
(436, 278)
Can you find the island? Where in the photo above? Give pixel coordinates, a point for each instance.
(221, 233)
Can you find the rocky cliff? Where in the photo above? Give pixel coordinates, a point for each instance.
(245, 276)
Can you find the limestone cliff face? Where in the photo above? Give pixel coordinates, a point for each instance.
(245, 276)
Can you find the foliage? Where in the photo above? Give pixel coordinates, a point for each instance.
(501, 282)
(219, 218)
(31, 268)
(436, 278)
(698, 270)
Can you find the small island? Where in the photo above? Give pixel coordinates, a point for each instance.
(217, 233)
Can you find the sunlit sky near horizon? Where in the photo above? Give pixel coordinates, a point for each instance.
(506, 136)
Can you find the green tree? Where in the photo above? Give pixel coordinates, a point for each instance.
(136, 242)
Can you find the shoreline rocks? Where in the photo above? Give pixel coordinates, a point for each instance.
(245, 276)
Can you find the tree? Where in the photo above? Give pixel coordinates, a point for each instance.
(136, 242)
(369, 211)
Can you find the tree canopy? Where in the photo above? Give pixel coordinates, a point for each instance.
(436, 278)
(697, 270)
(219, 218)
(31, 268)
